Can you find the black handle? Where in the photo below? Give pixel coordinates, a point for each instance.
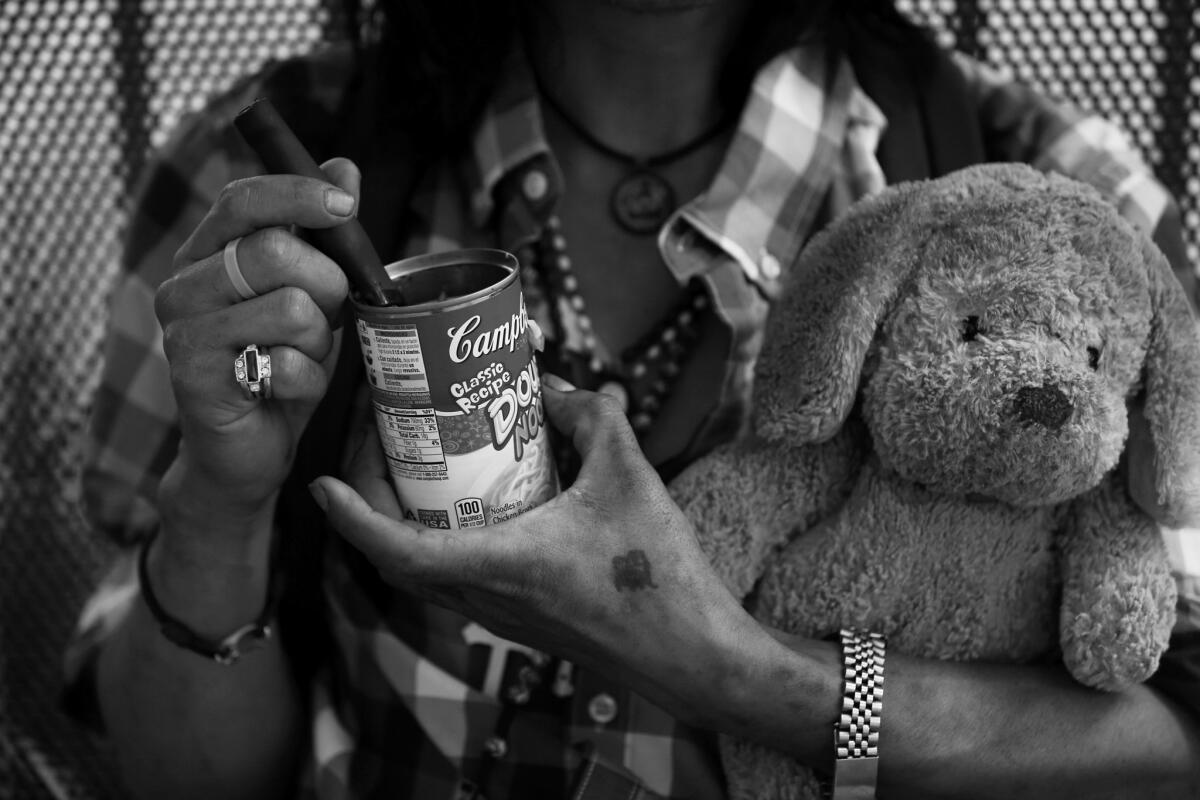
(347, 244)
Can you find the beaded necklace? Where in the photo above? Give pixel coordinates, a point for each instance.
(642, 375)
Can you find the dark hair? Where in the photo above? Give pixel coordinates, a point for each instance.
(440, 57)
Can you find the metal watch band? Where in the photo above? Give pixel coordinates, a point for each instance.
(856, 739)
(228, 650)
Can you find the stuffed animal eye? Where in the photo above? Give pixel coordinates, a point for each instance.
(1093, 357)
(970, 328)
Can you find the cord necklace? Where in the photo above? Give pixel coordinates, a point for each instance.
(642, 199)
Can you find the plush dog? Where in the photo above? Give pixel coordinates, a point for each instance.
(940, 412)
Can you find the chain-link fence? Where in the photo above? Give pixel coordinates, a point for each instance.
(88, 87)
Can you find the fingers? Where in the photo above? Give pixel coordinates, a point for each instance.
(295, 376)
(367, 460)
(403, 553)
(286, 316)
(367, 471)
(344, 173)
(595, 422)
(267, 259)
(375, 534)
(259, 211)
(286, 323)
(614, 474)
(537, 338)
(268, 201)
(207, 377)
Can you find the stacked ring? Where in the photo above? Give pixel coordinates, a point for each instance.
(252, 370)
(234, 271)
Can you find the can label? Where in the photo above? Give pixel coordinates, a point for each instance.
(458, 398)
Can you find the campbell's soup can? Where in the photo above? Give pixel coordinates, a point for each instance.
(456, 390)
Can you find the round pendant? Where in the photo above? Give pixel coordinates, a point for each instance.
(642, 201)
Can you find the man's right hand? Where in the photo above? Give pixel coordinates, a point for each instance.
(236, 452)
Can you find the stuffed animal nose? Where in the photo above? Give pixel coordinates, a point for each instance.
(1045, 405)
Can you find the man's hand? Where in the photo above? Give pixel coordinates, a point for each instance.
(237, 451)
(607, 574)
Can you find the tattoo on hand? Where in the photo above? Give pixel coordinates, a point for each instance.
(632, 571)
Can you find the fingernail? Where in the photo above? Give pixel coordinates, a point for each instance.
(556, 383)
(338, 202)
(318, 493)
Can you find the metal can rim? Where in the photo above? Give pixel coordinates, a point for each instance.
(481, 255)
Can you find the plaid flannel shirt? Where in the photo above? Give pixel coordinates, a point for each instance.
(409, 704)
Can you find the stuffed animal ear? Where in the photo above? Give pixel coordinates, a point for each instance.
(820, 330)
(1169, 476)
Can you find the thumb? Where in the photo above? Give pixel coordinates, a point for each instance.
(343, 173)
(400, 551)
(389, 544)
(366, 469)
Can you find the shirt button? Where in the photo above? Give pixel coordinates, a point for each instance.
(495, 747)
(602, 708)
(769, 265)
(685, 240)
(535, 184)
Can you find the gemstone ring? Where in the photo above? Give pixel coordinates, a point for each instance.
(252, 369)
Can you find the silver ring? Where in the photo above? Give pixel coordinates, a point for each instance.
(252, 370)
(234, 271)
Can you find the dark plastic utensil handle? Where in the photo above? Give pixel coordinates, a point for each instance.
(281, 152)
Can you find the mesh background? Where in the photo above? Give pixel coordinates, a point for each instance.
(89, 87)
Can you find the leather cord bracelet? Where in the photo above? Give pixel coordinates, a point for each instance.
(856, 735)
(226, 651)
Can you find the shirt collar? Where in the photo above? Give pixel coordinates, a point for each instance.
(790, 142)
(508, 135)
(761, 204)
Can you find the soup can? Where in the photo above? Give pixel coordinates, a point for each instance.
(456, 390)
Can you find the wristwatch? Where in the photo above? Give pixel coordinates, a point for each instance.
(856, 735)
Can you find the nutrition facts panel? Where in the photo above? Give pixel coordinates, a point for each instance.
(408, 426)
(411, 442)
(393, 360)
